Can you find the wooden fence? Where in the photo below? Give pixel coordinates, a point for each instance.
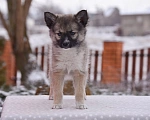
(135, 64)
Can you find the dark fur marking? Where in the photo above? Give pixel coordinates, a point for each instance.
(67, 35)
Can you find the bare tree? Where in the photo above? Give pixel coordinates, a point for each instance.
(16, 28)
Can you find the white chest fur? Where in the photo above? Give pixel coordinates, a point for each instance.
(70, 59)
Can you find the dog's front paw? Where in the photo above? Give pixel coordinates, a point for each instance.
(57, 106)
(81, 106)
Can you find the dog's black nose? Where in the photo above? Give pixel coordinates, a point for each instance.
(66, 44)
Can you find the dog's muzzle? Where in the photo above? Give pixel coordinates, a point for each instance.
(66, 44)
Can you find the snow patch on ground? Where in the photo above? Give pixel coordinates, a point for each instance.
(38, 76)
(38, 40)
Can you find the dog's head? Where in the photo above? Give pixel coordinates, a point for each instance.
(67, 31)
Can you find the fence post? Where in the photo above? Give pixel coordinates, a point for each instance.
(95, 65)
(133, 65)
(126, 66)
(36, 52)
(148, 61)
(42, 58)
(141, 64)
(111, 62)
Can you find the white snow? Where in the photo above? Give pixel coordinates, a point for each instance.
(38, 40)
(96, 37)
(18, 81)
(130, 43)
(4, 93)
(38, 76)
(99, 107)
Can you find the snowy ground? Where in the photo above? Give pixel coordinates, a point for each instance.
(21, 90)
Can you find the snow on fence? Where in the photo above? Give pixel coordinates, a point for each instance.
(135, 64)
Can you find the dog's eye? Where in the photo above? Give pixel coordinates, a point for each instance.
(72, 33)
(59, 34)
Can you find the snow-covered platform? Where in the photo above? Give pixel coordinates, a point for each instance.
(99, 107)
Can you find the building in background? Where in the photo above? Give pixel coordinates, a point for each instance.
(135, 24)
(109, 17)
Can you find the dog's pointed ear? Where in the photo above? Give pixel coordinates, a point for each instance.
(82, 17)
(50, 19)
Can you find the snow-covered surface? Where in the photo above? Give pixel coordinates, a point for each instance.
(99, 107)
(37, 76)
(96, 37)
(130, 43)
(135, 43)
(16, 90)
(38, 40)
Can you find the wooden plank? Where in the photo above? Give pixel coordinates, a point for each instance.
(126, 65)
(42, 58)
(133, 65)
(148, 61)
(141, 64)
(36, 52)
(96, 66)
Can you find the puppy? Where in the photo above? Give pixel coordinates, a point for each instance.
(69, 55)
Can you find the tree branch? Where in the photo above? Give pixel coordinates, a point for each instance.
(11, 5)
(26, 7)
(5, 24)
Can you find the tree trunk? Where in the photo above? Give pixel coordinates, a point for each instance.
(16, 28)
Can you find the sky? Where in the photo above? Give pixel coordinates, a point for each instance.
(125, 6)
(71, 6)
